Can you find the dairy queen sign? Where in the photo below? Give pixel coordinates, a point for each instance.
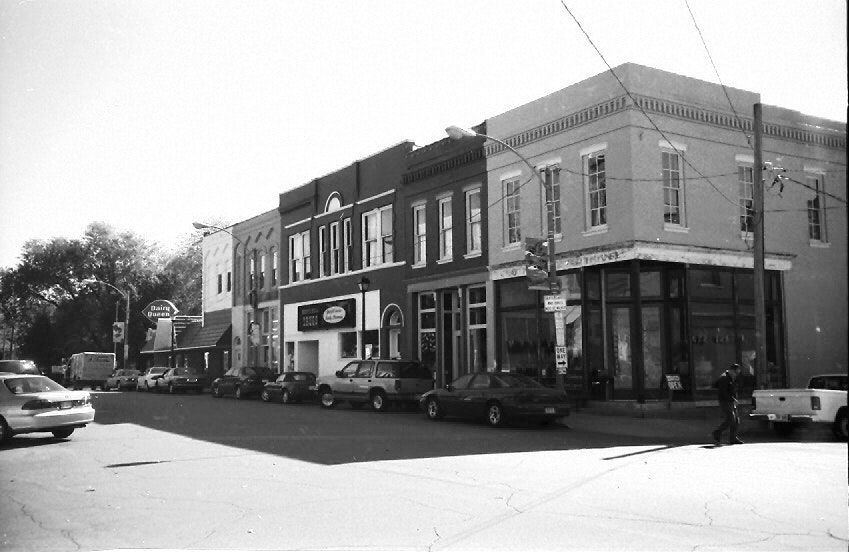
(327, 316)
(161, 308)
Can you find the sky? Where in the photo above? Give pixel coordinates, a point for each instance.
(152, 114)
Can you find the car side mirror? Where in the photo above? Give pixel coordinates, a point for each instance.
(338, 373)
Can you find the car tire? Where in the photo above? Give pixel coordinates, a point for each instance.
(63, 433)
(325, 398)
(5, 431)
(265, 396)
(216, 392)
(495, 414)
(840, 428)
(379, 402)
(287, 397)
(239, 393)
(433, 410)
(171, 389)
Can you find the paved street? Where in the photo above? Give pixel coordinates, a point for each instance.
(192, 472)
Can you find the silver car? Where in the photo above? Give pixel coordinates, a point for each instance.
(122, 379)
(30, 404)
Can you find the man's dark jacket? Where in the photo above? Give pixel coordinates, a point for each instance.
(727, 388)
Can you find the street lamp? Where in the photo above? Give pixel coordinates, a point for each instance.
(459, 133)
(363, 285)
(126, 296)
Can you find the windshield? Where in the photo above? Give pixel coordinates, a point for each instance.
(516, 380)
(186, 372)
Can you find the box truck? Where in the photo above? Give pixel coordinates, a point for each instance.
(91, 369)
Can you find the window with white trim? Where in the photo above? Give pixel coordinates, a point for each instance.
(348, 241)
(816, 208)
(473, 221)
(252, 274)
(427, 329)
(512, 211)
(552, 197)
(595, 188)
(275, 259)
(419, 235)
(335, 249)
(377, 237)
(299, 257)
(262, 259)
(476, 316)
(673, 188)
(446, 230)
(322, 251)
(746, 187)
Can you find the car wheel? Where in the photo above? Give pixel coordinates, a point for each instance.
(379, 402)
(433, 410)
(170, 388)
(495, 415)
(841, 425)
(287, 397)
(216, 392)
(63, 433)
(5, 431)
(325, 398)
(239, 393)
(265, 396)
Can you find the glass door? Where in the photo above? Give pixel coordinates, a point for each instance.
(619, 352)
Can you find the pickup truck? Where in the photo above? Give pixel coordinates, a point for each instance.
(822, 402)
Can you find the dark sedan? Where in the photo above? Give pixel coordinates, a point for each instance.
(242, 381)
(496, 397)
(290, 387)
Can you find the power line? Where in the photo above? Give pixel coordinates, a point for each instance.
(716, 71)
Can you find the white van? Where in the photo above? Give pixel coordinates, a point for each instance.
(91, 369)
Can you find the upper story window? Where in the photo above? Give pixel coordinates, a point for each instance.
(816, 208)
(275, 259)
(377, 237)
(595, 189)
(446, 230)
(335, 249)
(746, 187)
(551, 178)
(220, 283)
(512, 211)
(673, 188)
(252, 274)
(419, 235)
(473, 221)
(262, 260)
(348, 247)
(322, 251)
(299, 257)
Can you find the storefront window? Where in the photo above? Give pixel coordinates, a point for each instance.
(348, 344)
(621, 352)
(650, 284)
(427, 329)
(618, 284)
(652, 350)
(593, 279)
(713, 342)
(676, 283)
(710, 283)
(477, 329)
(516, 294)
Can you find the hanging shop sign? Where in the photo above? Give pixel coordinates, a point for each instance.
(327, 316)
(161, 308)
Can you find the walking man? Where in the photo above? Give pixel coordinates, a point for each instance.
(727, 393)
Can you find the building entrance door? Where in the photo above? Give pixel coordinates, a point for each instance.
(619, 352)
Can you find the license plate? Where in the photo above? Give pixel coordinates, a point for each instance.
(194, 380)
(549, 410)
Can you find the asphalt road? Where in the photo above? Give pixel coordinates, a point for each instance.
(193, 472)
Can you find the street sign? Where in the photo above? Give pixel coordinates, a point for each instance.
(554, 303)
(561, 359)
(161, 308)
(117, 332)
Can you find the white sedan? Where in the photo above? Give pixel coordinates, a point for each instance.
(30, 404)
(147, 381)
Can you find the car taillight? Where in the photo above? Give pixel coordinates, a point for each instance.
(38, 404)
(815, 403)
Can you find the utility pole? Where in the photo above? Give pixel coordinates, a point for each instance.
(553, 282)
(759, 273)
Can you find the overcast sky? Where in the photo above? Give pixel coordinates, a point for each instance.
(151, 114)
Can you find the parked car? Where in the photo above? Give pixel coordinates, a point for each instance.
(242, 381)
(19, 367)
(147, 381)
(290, 387)
(181, 379)
(123, 379)
(377, 382)
(823, 402)
(496, 397)
(30, 404)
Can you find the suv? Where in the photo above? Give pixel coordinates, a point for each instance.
(378, 382)
(19, 367)
(242, 382)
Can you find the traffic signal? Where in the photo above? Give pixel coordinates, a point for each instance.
(536, 263)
